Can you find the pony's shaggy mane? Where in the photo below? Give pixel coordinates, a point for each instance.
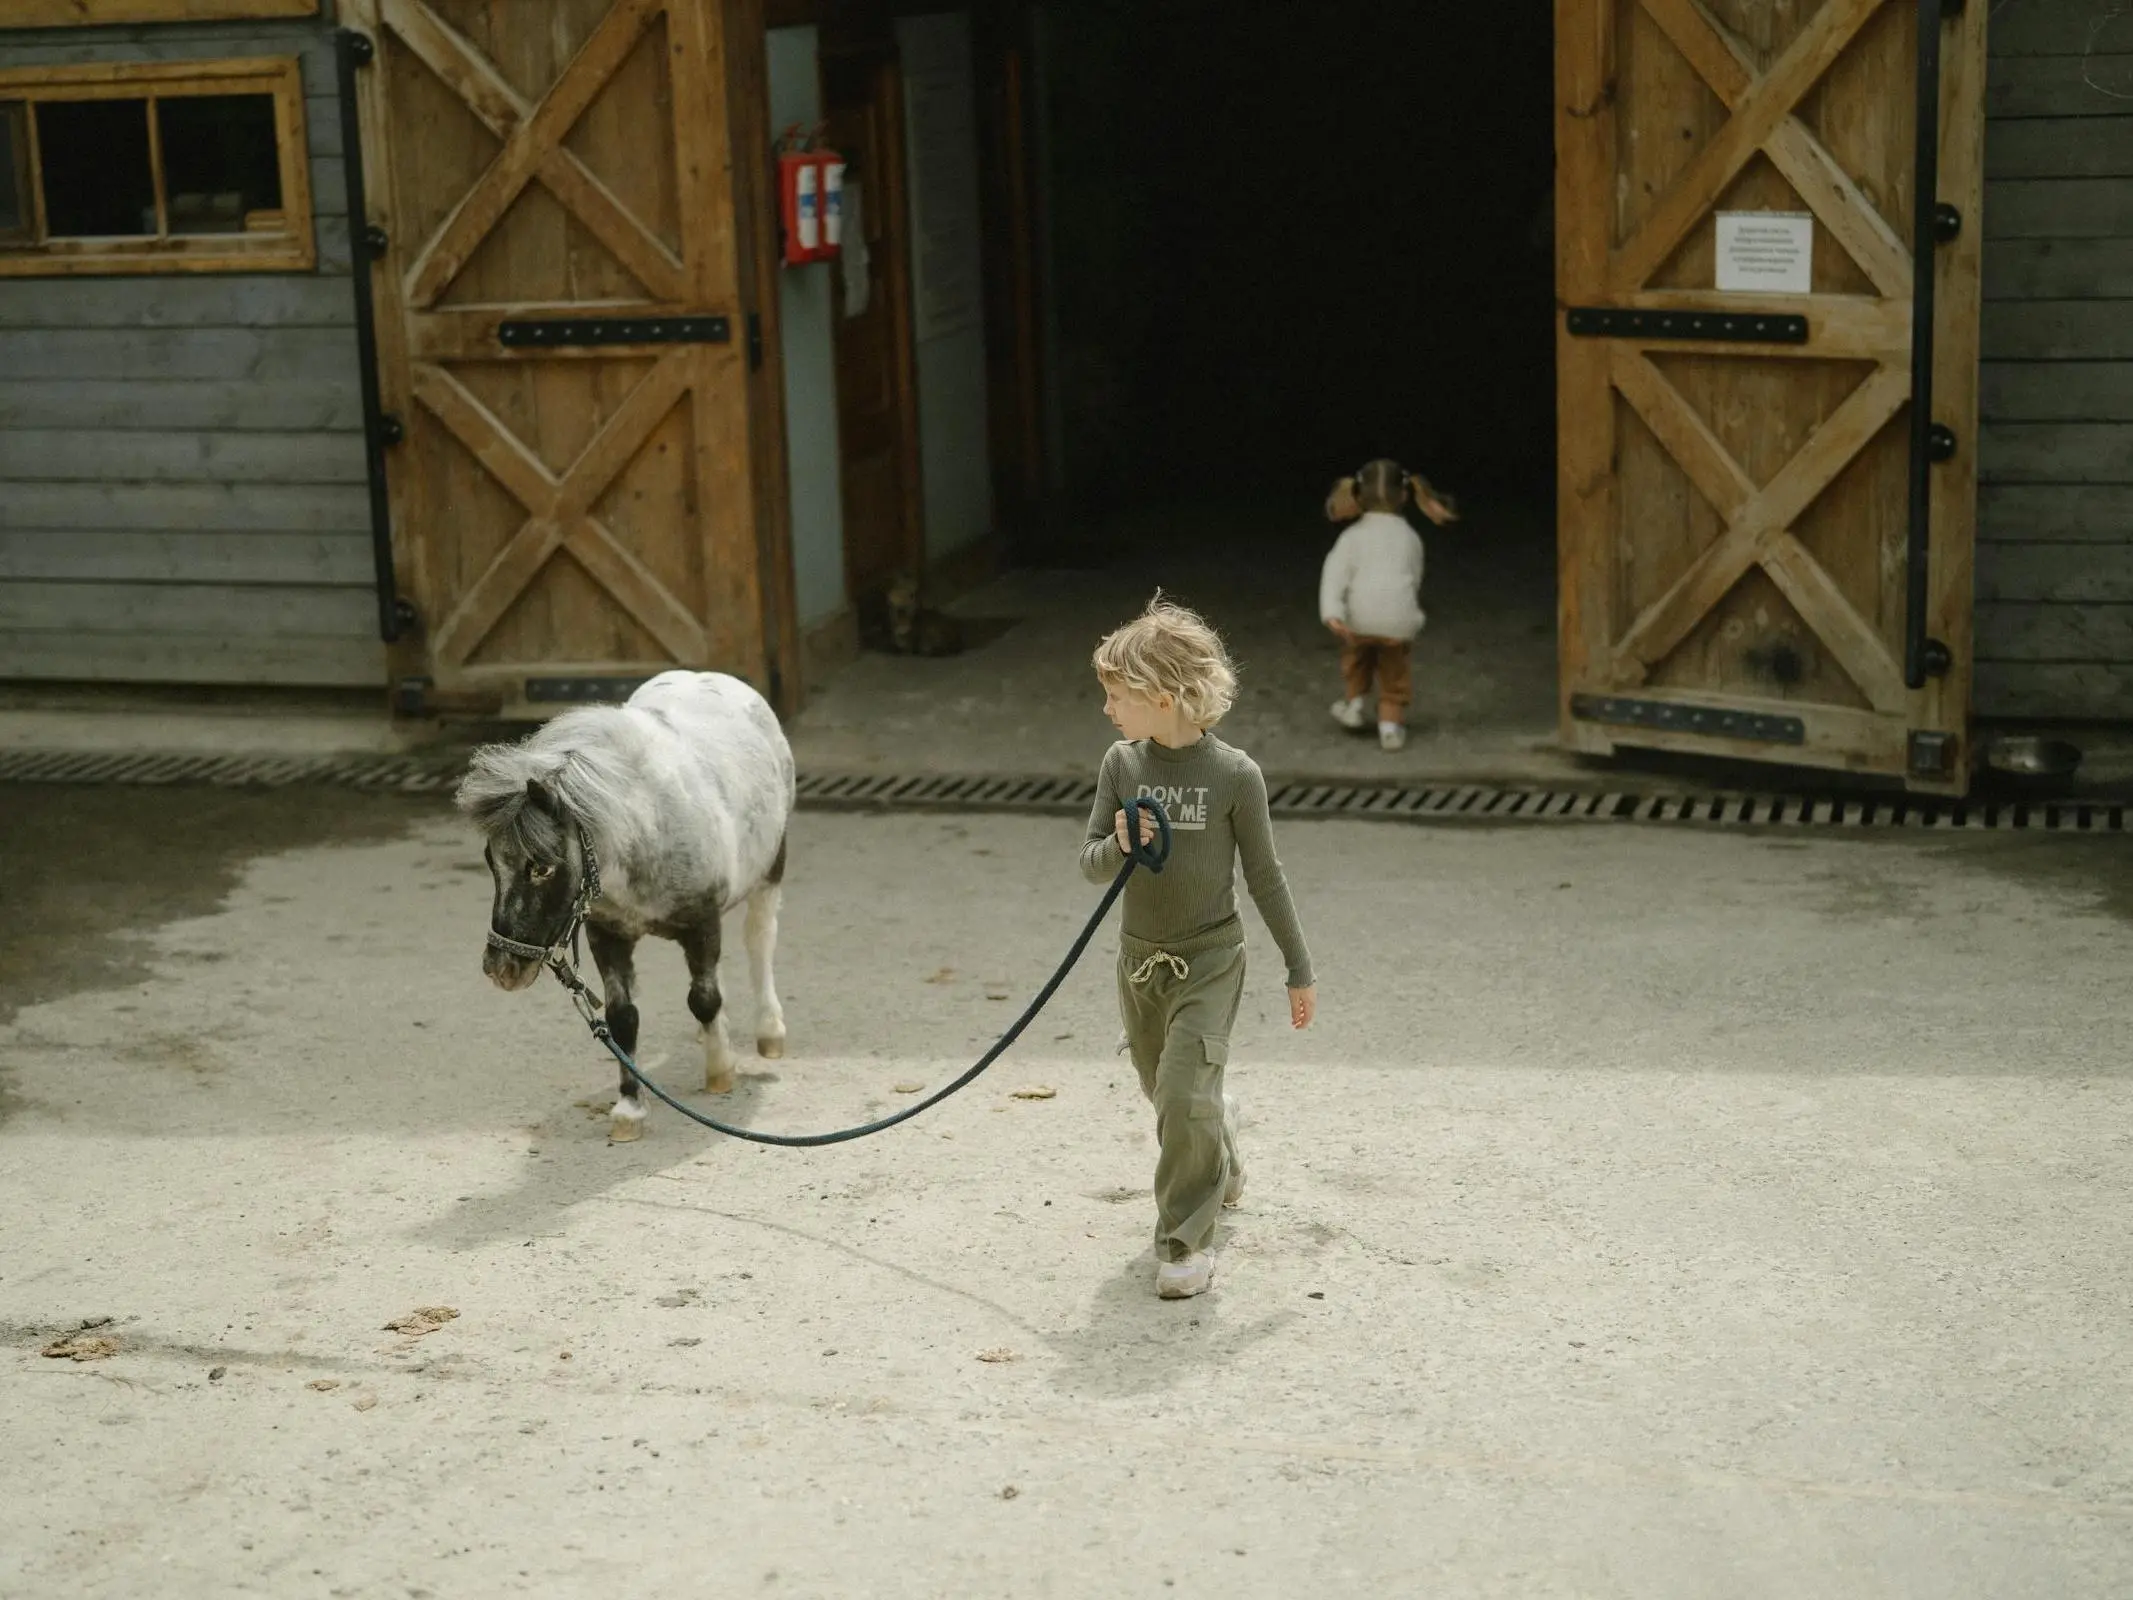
(581, 757)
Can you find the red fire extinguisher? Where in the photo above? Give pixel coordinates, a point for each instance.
(810, 197)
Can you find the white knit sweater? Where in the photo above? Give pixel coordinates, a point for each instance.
(1372, 581)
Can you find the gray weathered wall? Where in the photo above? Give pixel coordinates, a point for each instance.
(181, 458)
(2055, 557)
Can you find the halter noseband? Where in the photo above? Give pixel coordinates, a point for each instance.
(588, 892)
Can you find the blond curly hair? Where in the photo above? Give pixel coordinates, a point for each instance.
(1170, 650)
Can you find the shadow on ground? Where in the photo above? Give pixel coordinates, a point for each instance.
(82, 868)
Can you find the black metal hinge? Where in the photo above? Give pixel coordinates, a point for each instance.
(1729, 327)
(582, 691)
(550, 331)
(1710, 721)
(755, 341)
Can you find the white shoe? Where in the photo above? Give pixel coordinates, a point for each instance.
(1391, 736)
(1233, 1191)
(1181, 1280)
(1350, 713)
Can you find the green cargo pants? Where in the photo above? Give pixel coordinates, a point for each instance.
(1178, 1003)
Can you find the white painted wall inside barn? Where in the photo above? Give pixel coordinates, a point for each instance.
(808, 333)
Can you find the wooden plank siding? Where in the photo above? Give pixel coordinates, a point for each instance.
(182, 491)
(2055, 449)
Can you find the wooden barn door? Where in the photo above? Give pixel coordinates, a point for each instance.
(564, 342)
(1739, 568)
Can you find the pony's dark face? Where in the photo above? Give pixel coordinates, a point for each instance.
(537, 872)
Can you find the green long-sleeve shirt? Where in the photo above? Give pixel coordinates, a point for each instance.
(1216, 799)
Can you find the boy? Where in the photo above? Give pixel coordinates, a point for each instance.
(1167, 680)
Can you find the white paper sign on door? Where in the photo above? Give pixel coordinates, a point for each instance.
(1766, 252)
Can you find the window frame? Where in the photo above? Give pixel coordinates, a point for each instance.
(294, 248)
(105, 13)
(18, 145)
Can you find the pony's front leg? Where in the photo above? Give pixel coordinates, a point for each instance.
(762, 941)
(701, 946)
(612, 953)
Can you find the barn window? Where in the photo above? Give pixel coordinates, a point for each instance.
(194, 167)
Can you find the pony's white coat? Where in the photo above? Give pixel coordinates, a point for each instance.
(685, 792)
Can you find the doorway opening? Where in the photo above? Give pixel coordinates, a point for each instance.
(1276, 242)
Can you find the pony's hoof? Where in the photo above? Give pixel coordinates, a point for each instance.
(771, 1049)
(718, 1082)
(625, 1130)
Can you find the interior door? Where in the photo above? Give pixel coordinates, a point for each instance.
(877, 402)
(563, 342)
(1764, 553)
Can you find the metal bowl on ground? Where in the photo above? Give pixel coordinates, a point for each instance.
(2033, 758)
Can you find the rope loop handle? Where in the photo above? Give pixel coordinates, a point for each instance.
(1155, 854)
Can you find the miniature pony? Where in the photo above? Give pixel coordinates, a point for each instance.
(662, 814)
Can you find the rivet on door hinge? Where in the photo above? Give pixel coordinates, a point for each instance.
(391, 430)
(1936, 658)
(1940, 442)
(1947, 223)
(375, 239)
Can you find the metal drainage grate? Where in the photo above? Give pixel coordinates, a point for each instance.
(435, 771)
(408, 774)
(1445, 803)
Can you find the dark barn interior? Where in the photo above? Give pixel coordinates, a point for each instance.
(1284, 238)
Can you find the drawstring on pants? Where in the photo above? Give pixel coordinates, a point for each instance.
(1179, 966)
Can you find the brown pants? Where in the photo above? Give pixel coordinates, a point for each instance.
(1391, 663)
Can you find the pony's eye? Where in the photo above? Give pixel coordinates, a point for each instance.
(540, 874)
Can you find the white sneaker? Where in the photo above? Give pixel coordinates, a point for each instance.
(1391, 736)
(1350, 713)
(1233, 1191)
(1181, 1280)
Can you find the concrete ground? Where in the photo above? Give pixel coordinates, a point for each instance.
(1651, 1214)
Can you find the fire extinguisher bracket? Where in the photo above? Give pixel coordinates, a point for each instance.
(810, 199)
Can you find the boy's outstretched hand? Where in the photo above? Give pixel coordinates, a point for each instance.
(1303, 1006)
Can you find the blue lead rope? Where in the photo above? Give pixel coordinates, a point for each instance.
(1153, 856)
